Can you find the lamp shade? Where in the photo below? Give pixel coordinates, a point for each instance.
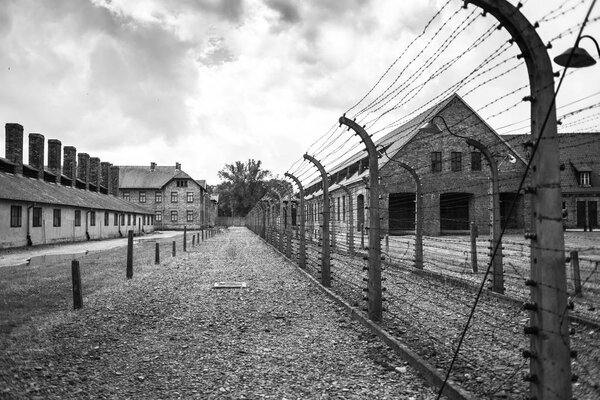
(430, 127)
(580, 58)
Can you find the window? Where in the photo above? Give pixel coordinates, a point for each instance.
(158, 197)
(37, 217)
(15, 216)
(92, 218)
(475, 161)
(436, 161)
(584, 179)
(106, 218)
(134, 219)
(190, 197)
(182, 183)
(343, 208)
(174, 197)
(158, 216)
(77, 218)
(128, 219)
(116, 219)
(126, 195)
(56, 217)
(173, 216)
(142, 197)
(190, 216)
(122, 219)
(456, 161)
(338, 208)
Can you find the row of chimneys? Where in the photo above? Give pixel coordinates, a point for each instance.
(89, 170)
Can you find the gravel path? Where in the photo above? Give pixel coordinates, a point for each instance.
(167, 334)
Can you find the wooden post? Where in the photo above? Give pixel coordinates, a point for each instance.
(129, 254)
(387, 244)
(185, 238)
(193, 240)
(202, 234)
(76, 275)
(575, 274)
(288, 250)
(174, 253)
(474, 234)
(156, 253)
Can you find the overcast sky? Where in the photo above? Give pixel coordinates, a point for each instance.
(207, 82)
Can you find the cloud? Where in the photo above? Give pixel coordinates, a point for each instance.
(288, 12)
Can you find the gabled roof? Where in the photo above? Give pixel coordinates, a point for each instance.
(20, 188)
(396, 139)
(579, 152)
(202, 183)
(142, 177)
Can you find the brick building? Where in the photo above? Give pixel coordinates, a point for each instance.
(455, 178)
(53, 204)
(176, 199)
(579, 176)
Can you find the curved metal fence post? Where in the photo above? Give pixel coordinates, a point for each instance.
(325, 250)
(419, 219)
(375, 307)
(551, 369)
(302, 244)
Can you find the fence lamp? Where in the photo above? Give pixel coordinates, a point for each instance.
(579, 57)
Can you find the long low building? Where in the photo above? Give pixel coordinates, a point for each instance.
(51, 205)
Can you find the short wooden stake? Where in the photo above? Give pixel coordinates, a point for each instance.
(76, 275)
(156, 253)
(185, 238)
(174, 249)
(130, 254)
(575, 274)
(474, 235)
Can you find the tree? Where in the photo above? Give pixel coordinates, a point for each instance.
(242, 186)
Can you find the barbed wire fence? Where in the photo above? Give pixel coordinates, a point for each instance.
(438, 291)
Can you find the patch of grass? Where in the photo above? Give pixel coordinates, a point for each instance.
(30, 291)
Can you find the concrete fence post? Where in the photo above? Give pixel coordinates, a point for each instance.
(474, 234)
(575, 273)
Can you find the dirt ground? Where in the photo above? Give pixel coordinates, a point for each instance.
(168, 334)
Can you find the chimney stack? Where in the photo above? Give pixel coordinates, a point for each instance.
(95, 172)
(114, 180)
(105, 175)
(70, 163)
(36, 153)
(54, 147)
(152, 166)
(14, 146)
(83, 169)
(178, 166)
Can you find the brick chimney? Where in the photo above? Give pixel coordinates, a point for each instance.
(70, 163)
(54, 148)
(83, 169)
(114, 180)
(95, 172)
(178, 166)
(105, 175)
(14, 145)
(36, 153)
(152, 166)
